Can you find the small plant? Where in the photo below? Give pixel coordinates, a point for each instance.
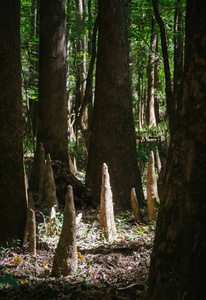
(9, 280)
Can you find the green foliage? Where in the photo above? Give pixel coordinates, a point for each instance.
(79, 28)
(10, 281)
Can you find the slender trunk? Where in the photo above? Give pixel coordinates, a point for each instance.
(151, 118)
(169, 93)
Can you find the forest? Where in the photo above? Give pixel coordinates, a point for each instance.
(102, 149)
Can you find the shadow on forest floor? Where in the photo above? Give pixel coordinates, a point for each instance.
(105, 271)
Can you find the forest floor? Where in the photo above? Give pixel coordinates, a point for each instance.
(105, 271)
(117, 270)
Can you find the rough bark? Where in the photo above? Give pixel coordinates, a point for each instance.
(41, 173)
(106, 218)
(178, 52)
(178, 264)
(30, 237)
(13, 205)
(113, 138)
(152, 191)
(65, 258)
(52, 117)
(49, 193)
(135, 206)
(35, 181)
(161, 179)
(30, 228)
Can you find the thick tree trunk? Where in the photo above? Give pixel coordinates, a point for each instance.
(178, 265)
(178, 53)
(113, 138)
(13, 206)
(52, 120)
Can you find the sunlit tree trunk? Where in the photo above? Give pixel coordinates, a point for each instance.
(113, 138)
(151, 118)
(52, 119)
(156, 82)
(13, 205)
(178, 265)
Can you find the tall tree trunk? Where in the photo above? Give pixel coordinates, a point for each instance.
(178, 53)
(113, 138)
(178, 265)
(52, 120)
(13, 205)
(156, 83)
(80, 60)
(151, 118)
(168, 89)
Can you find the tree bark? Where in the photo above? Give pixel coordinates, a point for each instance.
(178, 53)
(151, 117)
(13, 205)
(152, 191)
(178, 264)
(52, 118)
(106, 217)
(65, 258)
(113, 138)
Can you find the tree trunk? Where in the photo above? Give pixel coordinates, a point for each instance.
(13, 205)
(178, 265)
(113, 138)
(52, 119)
(65, 258)
(178, 53)
(168, 89)
(151, 118)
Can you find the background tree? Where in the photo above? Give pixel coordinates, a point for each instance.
(113, 134)
(178, 260)
(151, 117)
(13, 206)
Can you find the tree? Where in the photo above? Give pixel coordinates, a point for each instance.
(52, 115)
(178, 261)
(113, 138)
(178, 51)
(151, 117)
(13, 205)
(168, 88)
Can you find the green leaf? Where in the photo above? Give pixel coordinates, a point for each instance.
(11, 281)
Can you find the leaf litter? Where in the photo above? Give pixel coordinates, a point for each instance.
(115, 270)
